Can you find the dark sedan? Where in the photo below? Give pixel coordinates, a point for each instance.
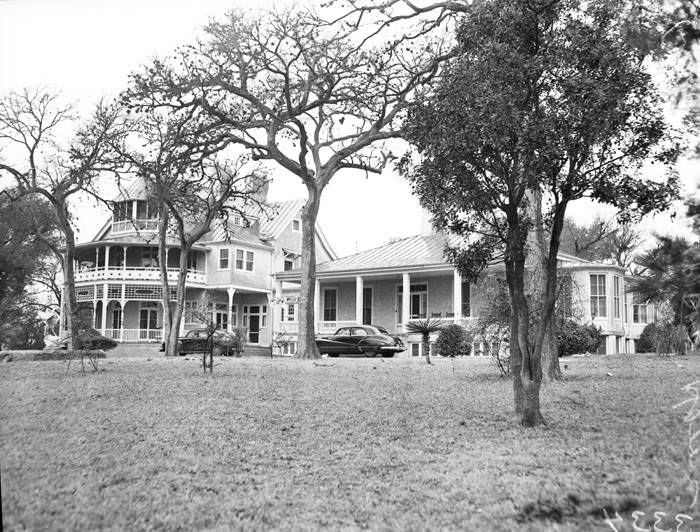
(365, 340)
(195, 341)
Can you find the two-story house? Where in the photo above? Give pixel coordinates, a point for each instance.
(118, 283)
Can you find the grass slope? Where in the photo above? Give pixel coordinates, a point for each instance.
(355, 444)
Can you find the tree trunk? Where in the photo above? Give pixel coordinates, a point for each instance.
(426, 348)
(537, 266)
(526, 364)
(179, 302)
(307, 348)
(163, 263)
(72, 321)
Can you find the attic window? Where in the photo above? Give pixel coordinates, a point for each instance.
(237, 220)
(296, 225)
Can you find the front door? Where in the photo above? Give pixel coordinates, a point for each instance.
(148, 323)
(254, 328)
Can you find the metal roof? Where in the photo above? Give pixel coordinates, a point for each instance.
(279, 215)
(136, 189)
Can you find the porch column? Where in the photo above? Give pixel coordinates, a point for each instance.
(97, 257)
(106, 258)
(105, 301)
(122, 303)
(359, 287)
(133, 210)
(457, 294)
(124, 262)
(317, 304)
(406, 301)
(231, 292)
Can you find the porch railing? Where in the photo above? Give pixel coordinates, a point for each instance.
(136, 273)
(135, 335)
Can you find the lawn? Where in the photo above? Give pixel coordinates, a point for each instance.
(342, 444)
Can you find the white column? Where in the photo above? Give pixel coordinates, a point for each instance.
(133, 210)
(406, 300)
(359, 288)
(122, 302)
(106, 258)
(104, 307)
(97, 257)
(317, 304)
(124, 262)
(231, 292)
(457, 294)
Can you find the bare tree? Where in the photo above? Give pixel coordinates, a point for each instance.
(176, 155)
(30, 124)
(300, 93)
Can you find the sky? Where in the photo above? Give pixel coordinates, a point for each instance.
(86, 48)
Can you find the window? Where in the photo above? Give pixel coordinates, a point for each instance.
(598, 304)
(296, 225)
(367, 305)
(149, 257)
(330, 304)
(359, 332)
(245, 260)
(190, 312)
(289, 261)
(234, 315)
(291, 312)
(263, 317)
(249, 261)
(192, 260)
(466, 300)
(122, 211)
(146, 210)
(639, 313)
(237, 220)
(223, 259)
(616, 296)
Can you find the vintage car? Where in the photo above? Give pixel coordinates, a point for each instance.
(195, 341)
(367, 340)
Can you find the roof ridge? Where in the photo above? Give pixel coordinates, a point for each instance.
(375, 248)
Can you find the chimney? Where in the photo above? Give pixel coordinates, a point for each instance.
(426, 226)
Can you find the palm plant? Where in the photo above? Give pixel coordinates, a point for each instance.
(425, 328)
(671, 272)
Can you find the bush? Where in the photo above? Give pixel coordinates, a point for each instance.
(90, 339)
(661, 337)
(576, 338)
(453, 340)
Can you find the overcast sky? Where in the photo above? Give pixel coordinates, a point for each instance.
(87, 48)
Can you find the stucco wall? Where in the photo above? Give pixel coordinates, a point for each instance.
(258, 278)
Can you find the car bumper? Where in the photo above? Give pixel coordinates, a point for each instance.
(392, 348)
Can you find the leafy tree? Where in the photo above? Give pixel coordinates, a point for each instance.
(307, 96)
(546, 97)
(30, 124)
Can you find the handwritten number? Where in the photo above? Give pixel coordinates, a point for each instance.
(611, 521)
(636, 515)
(679, 520)
(659, 516)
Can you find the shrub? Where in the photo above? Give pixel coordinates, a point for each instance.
(91, 339)
(453, 340)
(662, 337)
(574, 338)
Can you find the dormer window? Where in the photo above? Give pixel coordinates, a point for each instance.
(121, 219)
(296, 225)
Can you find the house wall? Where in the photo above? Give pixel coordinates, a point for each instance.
(291, 240)
(258, 278)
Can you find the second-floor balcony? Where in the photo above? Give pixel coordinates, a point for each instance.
(85, 272)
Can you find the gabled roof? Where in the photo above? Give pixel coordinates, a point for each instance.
(275, 219)
(411, 251)
(137, 189)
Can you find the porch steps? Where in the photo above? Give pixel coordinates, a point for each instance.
(256, 351)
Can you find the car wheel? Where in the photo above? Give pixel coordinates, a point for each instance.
(217, 351)
(371, 353)
(387, 355)
(333, 355)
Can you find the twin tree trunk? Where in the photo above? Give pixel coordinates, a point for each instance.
(537, 265)
(307, 334)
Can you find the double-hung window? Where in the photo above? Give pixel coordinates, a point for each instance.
(245, 260)
(598, 301)
(223, 259)
(617, 291)
(330, 304)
